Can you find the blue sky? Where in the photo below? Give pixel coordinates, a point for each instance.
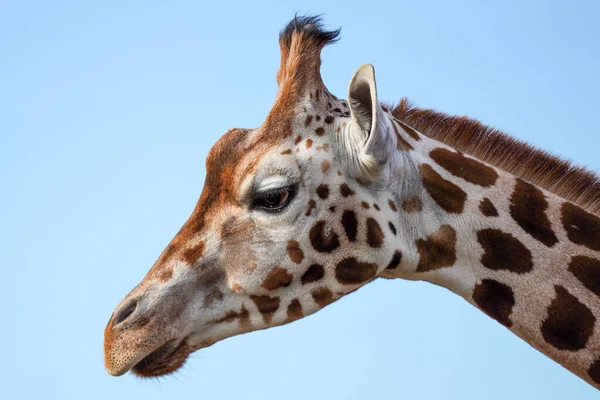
(107, 112)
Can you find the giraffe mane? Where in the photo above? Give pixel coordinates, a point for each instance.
(572, 182)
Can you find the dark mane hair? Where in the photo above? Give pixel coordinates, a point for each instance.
(574, 183)
(311, 27)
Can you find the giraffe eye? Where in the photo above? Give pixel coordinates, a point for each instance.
(274, 200)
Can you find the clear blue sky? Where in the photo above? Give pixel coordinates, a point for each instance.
(107, 112)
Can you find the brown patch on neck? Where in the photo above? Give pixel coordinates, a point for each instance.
(569, 324)
(573, 183)
(582, 227)
(503, 251)
(446, 194)
(528, 207)
(438, 251)
(495, 299)
(463, 167)
(487, 208)
(587, 270)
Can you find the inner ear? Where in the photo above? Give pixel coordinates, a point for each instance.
(362, 104)
(362, 96)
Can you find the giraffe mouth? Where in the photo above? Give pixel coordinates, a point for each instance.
(166, 359)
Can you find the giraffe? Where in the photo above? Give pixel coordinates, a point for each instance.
(328, 195)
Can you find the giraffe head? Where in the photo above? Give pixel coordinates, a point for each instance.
(291, 218)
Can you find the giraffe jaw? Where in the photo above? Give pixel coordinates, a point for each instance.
(164, 360)
(167, 358)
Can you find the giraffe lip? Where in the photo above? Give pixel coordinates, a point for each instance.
(164, 360)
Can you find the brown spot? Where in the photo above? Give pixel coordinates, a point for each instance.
(192, 254)
(308, 120)
(329, 119)
(594, 371)
(582, 227)
(376, 206)
(469, 169)
(314, 273)
(298, 140)
(402, 144)
(278, 277)
(318, 117)
(487, 208)
(288, 151)
(339, 173)
(294, 311)
(503, 251)
(332, 209)
(294, 251)
(325, 147)
(413, 134)
(322, 296)
(165, 274)
(438, 251)
(309, 143)
(345, 190)
(569, 324)
(495, 299)
(266, 306)
(374, 233)
(412, 204)
(445, 193)
(587, 270)
(392, 205)
(325, 166)
(392, 227)
(365, 205)
(320, 131)
(323, 191)
(311, 204)
(528, 208)
(350, 224)
(243, 316)
(395, 261)
(322, 239)
(350, 271)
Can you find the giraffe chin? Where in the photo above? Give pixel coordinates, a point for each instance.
(163, 361)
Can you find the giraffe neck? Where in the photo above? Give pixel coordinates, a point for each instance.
(524, 256)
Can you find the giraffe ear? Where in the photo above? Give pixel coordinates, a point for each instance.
(369, 135)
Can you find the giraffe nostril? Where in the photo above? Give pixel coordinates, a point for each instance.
(125, 311)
